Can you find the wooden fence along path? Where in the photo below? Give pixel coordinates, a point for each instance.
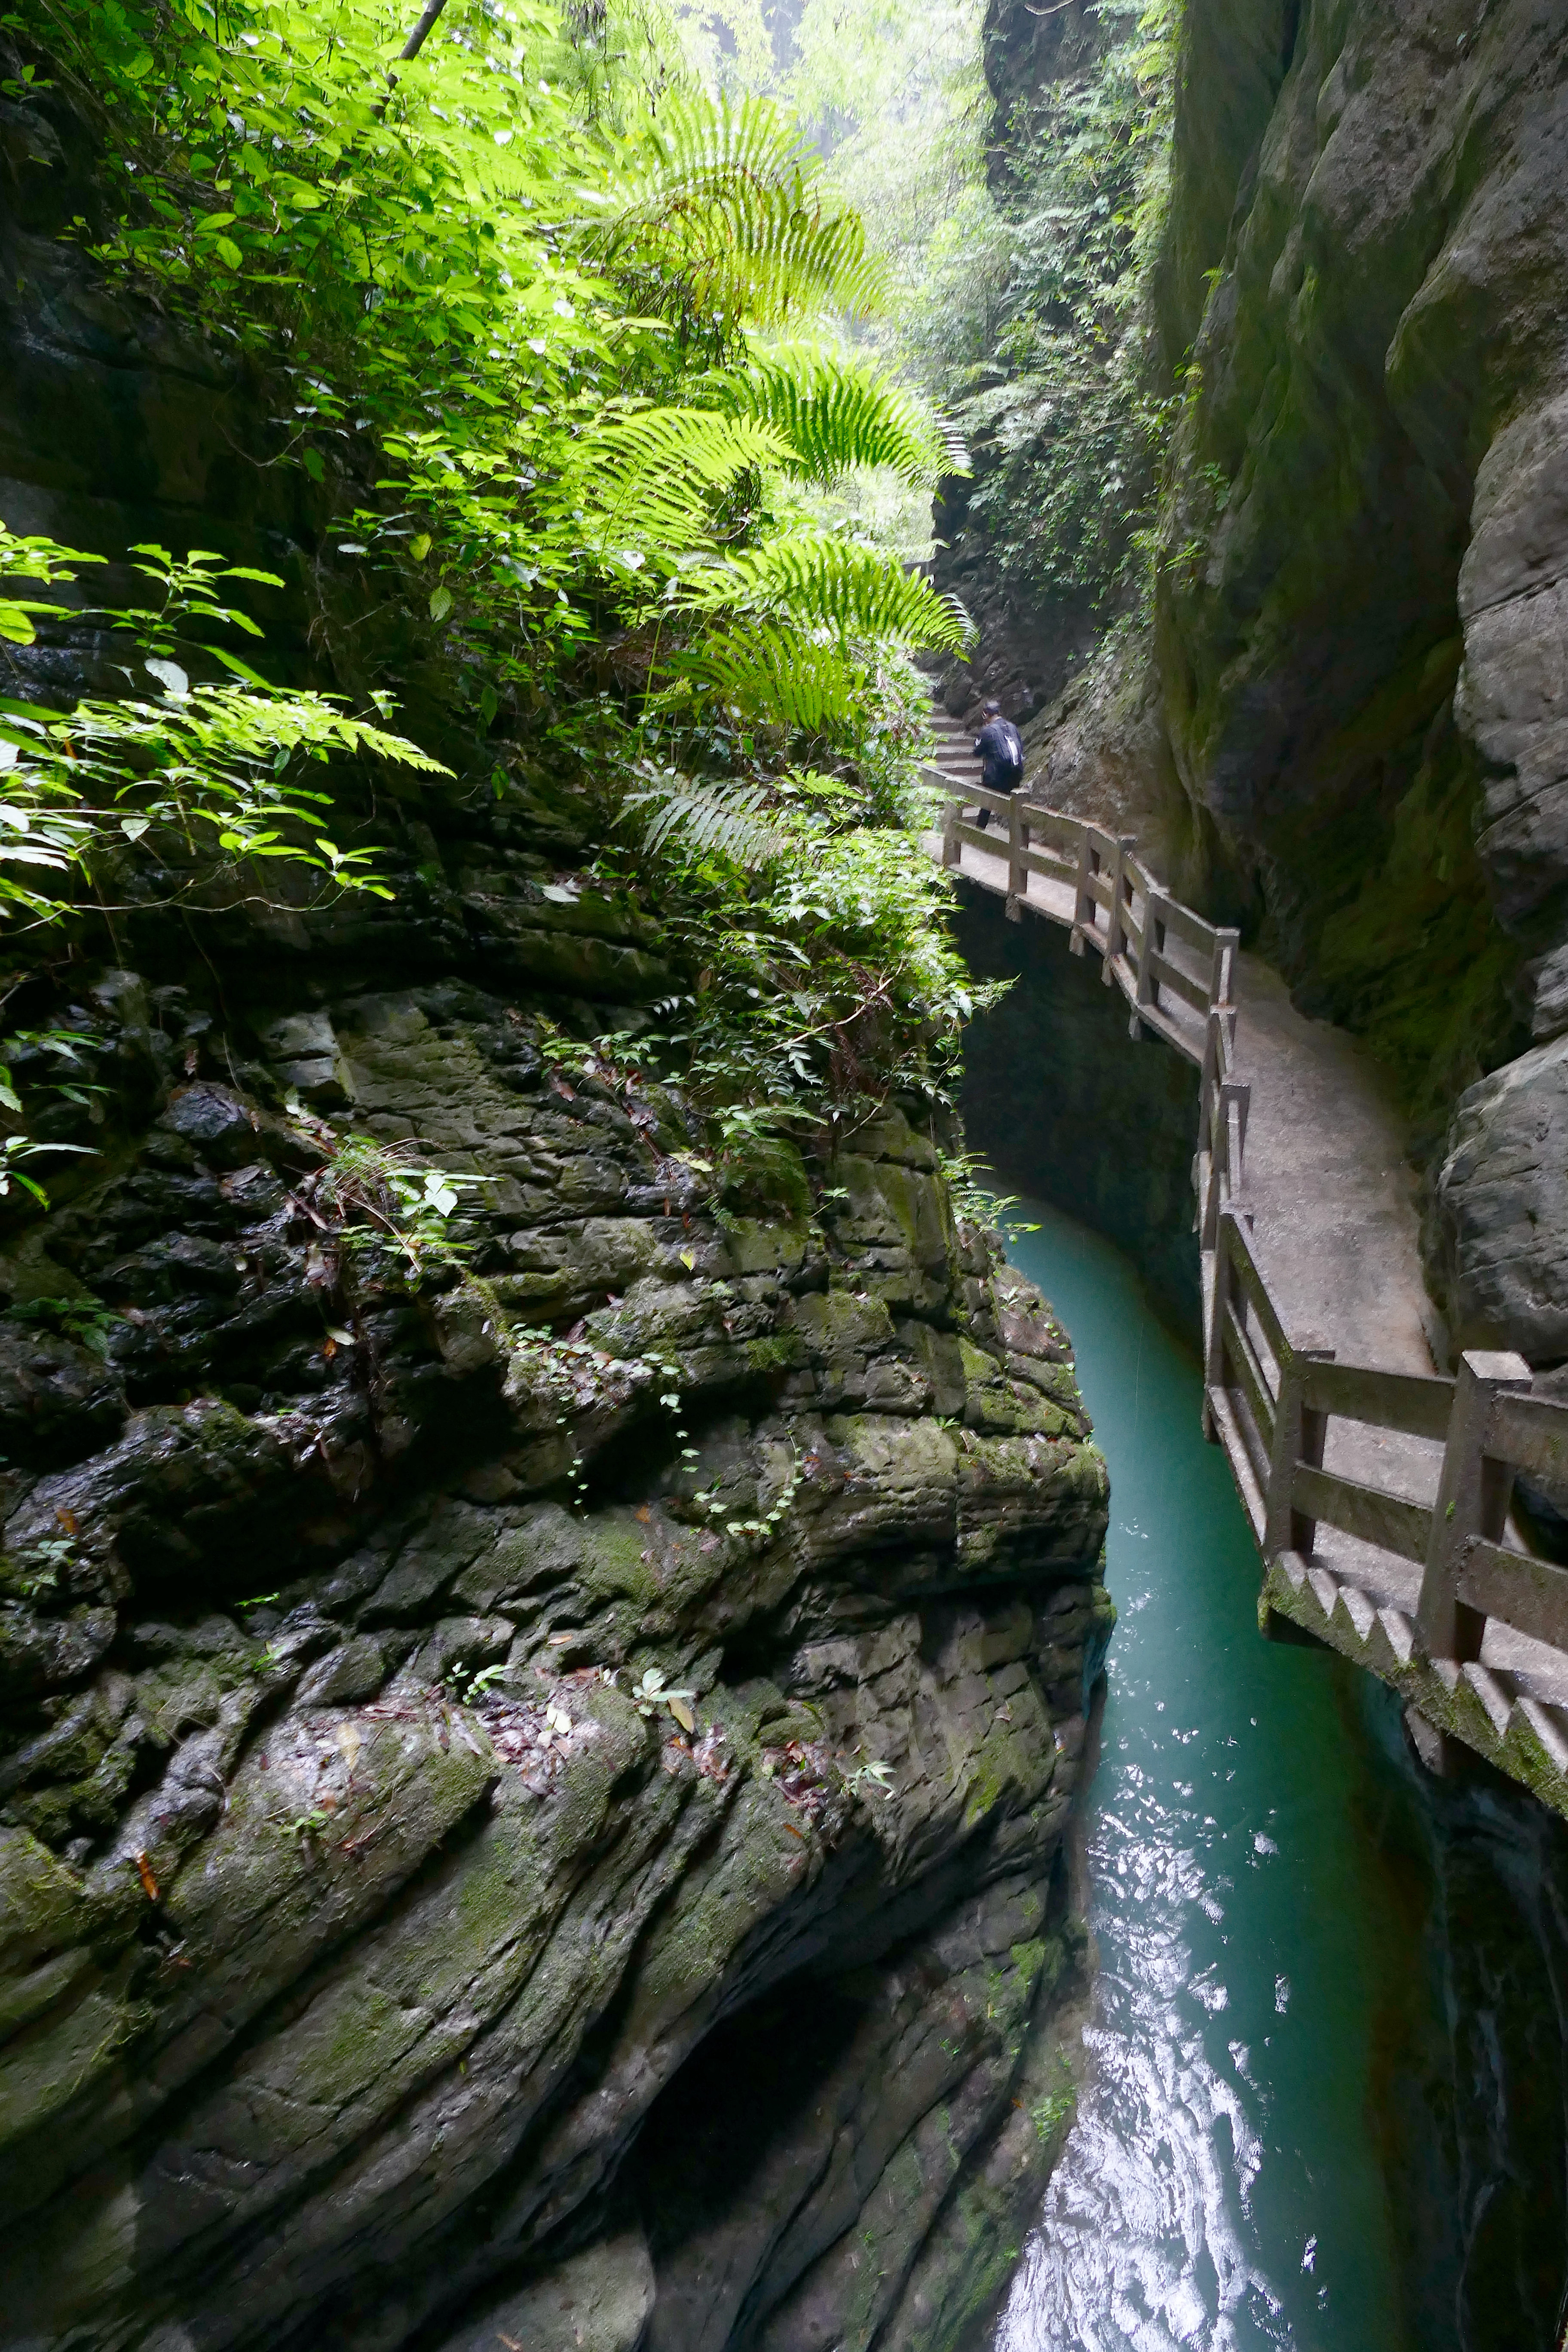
(1379, 1496)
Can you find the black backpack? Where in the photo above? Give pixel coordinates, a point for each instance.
(1001, 746)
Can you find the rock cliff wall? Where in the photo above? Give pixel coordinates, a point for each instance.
(548, 1835)
(1352, 732)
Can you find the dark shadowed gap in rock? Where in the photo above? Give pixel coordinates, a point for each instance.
(1064, 1107)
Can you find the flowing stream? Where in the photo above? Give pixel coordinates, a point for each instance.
(1267, 2154)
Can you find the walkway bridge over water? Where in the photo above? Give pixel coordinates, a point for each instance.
(1377, 1487)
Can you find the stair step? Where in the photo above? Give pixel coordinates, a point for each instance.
(1549, 1727)
(1326, 1589)
(1399, 1631)
(1359, 1608)
(1497, 1700)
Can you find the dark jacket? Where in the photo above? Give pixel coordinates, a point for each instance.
(1001, 755)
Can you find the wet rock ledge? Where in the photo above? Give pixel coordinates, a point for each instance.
(386, 1958)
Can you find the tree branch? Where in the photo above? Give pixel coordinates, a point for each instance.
(417, 37)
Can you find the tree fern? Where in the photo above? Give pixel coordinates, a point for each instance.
(819, 582)
(777, 676)
(650, 477)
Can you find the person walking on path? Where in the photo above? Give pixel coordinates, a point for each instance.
(1000, 752)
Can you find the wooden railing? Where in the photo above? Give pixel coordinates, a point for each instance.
(1175, 970)
(1421, 1566)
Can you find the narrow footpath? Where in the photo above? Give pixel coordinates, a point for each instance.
(1332, 1196)
(1329, 1180)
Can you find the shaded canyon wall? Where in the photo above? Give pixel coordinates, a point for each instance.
(1350, 730)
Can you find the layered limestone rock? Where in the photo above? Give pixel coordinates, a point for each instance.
(1358, 676)
(362, 1897)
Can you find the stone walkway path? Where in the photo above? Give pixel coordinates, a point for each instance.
(1328, 1180)
(1336, 1229)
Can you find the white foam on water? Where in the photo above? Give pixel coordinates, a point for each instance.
(1145, 2244)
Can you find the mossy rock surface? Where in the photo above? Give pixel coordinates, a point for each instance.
(440, 1715)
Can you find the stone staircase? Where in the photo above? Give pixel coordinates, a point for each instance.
(953, 748)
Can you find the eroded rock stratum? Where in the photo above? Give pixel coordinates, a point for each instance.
(377, 1970)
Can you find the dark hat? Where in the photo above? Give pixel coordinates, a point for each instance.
(992, 710)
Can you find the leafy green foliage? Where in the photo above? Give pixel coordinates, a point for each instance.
(372, 1196)
(1030, 321)
(212, 767)
(713, 821)
(777, 676)
(275, 178)
(37, 558)
(84, 1321)
(724, 219)
(822, 986)
(519, 305)
(170, 798)
(834, 583)
(1016, 262)
(644, 485)
(834, 413)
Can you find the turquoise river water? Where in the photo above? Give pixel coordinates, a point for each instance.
(1248, 2159)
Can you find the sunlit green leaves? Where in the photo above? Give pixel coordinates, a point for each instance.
(775, 677)
(835, 413)
(819, 581)
(219, 765)
(647, 481)
(724, 219)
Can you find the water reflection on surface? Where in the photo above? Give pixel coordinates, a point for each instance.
(1220, 2189)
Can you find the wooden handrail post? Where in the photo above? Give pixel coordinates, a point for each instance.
(1472, 1500)
(1213, 1336)
(1219, 1045)
(1234, 1095)
(1115, 932)
(1083, 917)
(1228, 1095)
(952, 848)
(1155, 903)
(1017, 879)
(1214, 1200)
(1299, 1431)
(1206, 1079)
(1222, 974)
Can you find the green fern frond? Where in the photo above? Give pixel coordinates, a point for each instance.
(651, 478)
(708, 820)
(727, 221)
(817, 581)
(835, 413)
(778, 677)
